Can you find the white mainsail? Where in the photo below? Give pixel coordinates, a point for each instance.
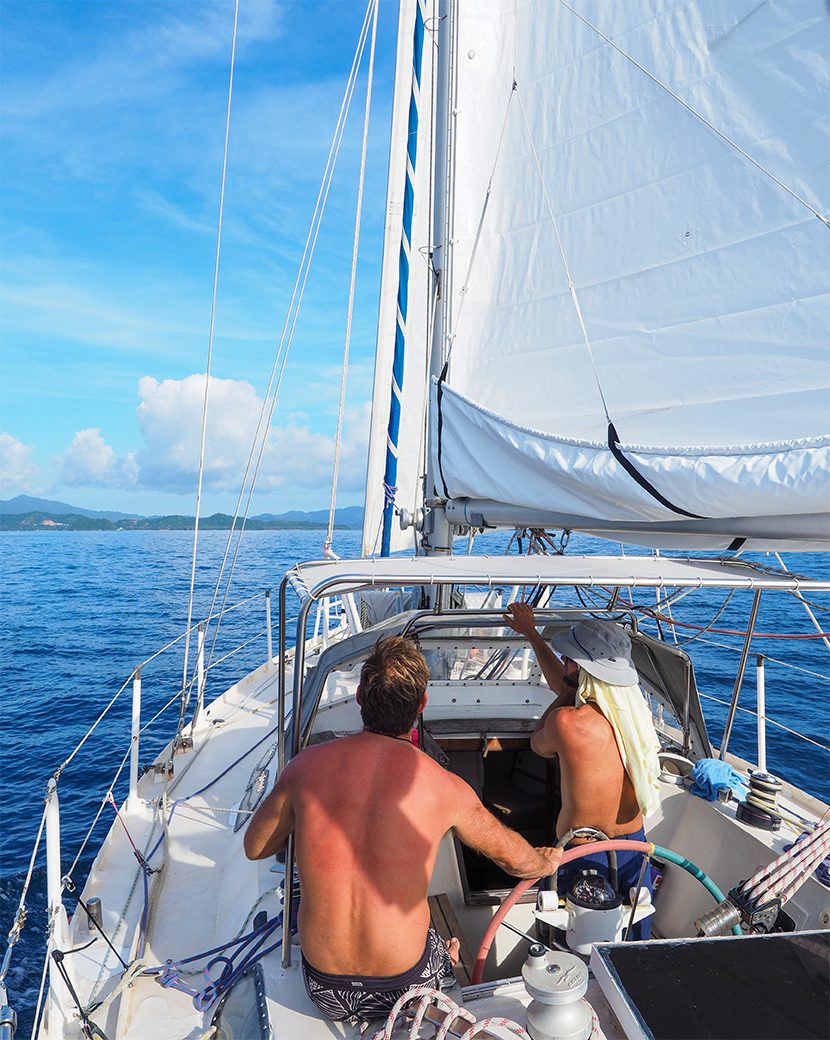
(696, 325)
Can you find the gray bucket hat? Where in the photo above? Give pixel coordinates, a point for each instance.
(602, 648)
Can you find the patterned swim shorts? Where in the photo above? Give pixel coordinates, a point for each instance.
(373, 996)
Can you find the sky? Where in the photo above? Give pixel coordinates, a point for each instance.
(112, 124)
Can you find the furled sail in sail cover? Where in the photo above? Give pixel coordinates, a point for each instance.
(397, 445)
(680, 382)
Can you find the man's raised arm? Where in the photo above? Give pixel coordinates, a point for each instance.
(273, 822)
(479, 829)
(520, 617)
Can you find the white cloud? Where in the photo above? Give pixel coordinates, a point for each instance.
(17, 471)
(133, 63)
(298, 457)
(170, 416)
(169, 419)
(70, 310)
(90, 462)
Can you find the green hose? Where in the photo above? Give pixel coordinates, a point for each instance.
(696, 872)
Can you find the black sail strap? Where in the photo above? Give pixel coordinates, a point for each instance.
(634, 473)
(439, 395)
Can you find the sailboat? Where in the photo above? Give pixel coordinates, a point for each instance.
(604, 309)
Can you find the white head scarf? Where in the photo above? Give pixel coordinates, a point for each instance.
(626, 709)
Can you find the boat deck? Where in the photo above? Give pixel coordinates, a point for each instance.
(208, 892)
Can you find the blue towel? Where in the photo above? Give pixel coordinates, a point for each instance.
(711, 775)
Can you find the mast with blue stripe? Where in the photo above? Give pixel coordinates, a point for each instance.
(390, 475)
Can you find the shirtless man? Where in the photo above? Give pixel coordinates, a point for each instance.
(596, 790)
(368, 813)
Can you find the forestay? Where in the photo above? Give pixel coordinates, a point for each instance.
(700, 275)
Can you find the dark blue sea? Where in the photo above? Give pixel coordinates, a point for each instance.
(81, 610)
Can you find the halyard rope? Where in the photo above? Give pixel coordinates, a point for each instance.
(427, 995)
(784, 875)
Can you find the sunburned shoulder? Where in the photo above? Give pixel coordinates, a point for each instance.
(312, 758)
(336, 752)
(576, 726)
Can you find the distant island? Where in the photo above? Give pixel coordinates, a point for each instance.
(25, 513)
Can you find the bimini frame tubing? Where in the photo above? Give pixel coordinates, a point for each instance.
(739, 678)
(355, 575)
(296, 712)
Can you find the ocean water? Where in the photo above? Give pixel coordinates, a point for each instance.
(82, 609)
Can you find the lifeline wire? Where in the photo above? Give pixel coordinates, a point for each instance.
(773, 660)
(39, 1005)
(20, 916)
(767, 718)
(92, 728)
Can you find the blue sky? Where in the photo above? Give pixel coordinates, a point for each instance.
(112, 128)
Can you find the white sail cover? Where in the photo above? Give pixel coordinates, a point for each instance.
(410, 447)
(701, 277)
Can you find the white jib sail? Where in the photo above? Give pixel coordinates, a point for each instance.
(701, 275)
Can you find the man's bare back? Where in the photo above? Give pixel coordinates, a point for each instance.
(596, 791)
(368, 813)
(371, 811)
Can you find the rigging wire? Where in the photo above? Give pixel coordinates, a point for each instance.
(20, 916)
(767, 718)
(699, 116)
(571, 286)
(286, 336)
(708, 628)
(432, 283)
(203, 436)
(473, 252)
(352, 279)
(804, 603)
